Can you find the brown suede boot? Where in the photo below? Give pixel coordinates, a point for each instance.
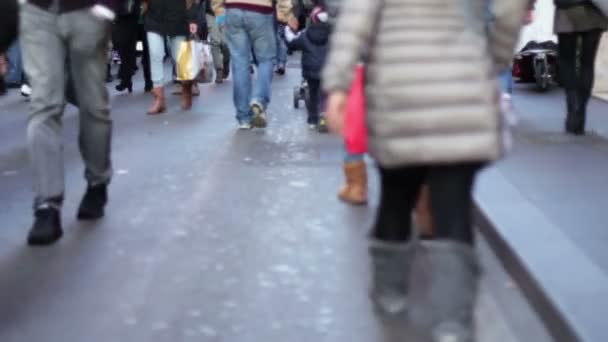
(355, 190)
(186, 95)
(158, 107)
(422, 214)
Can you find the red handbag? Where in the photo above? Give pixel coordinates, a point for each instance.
(355, 126)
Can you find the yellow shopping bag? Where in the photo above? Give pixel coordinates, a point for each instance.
(189, 60)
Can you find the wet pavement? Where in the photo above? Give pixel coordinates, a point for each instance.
(211, 235)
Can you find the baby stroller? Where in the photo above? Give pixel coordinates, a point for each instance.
(300, 93)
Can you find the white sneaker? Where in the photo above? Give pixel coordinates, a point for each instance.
(244, 126)
(26, 90)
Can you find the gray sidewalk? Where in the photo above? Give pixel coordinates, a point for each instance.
(211, 235)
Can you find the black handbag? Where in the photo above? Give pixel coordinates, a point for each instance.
(563, 4)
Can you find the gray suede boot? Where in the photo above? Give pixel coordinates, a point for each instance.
(443, 290)
(390, 264)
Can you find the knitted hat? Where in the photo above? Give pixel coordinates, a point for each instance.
(319, 15)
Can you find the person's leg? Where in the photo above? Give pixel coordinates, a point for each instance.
(281, 49)
(451, 201)
(589, 46)
(400, 188)
(145, 58)
(156, 44)
(260, 29)
(391, 248)
(216, 48)
(175, 43)
(124, 36)
(87, 38)
(312, 105)
(444, 273)
(41, 42)
(567, 48)
(354, 191)
(240, 48)
(506, 80)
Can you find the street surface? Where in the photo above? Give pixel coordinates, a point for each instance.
(211, 235)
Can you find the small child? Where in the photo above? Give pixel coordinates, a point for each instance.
(314, 44)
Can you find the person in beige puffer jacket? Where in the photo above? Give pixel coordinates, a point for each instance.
(434, 118)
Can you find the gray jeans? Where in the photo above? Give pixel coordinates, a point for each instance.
(53, 46)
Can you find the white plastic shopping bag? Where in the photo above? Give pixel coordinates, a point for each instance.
(205, 75)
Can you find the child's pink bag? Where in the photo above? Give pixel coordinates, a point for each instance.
(355, 126)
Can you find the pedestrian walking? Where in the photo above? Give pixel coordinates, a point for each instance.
(124, 37)
(313, 41)
(249, 25)
(579, 26)
(60, 39)
(219, 45)
(171, 22)
(433, 118)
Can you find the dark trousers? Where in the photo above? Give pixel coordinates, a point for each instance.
(577, 52)
(450, 189)
(145, 57)
(316, 100)
(124, 36)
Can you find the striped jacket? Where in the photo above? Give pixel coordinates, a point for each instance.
(284, 8)
(431, 81)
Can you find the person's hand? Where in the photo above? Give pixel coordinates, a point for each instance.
(293, 24)
(3, 65)
(220, 20)
(193, 28)
(336, 111)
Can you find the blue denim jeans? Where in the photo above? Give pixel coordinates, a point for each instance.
(247, 30)
(156, 43)
(352, 157)
(15, 65)
(506, 80)
(281, 46)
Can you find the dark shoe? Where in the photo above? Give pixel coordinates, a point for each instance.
(259, 116)
(149, 86)
(322, 127)
(93, 203)
(109, 77)
(125, 85)
(281, 70)
(443, 285)
(390, 267)
(46, 229)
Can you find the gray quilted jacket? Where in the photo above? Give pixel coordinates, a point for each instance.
(431, 81)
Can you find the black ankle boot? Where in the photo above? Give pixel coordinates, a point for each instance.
(93, 203)
(125, 85)
(576, 117)
(46, 229)
(149, 86)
